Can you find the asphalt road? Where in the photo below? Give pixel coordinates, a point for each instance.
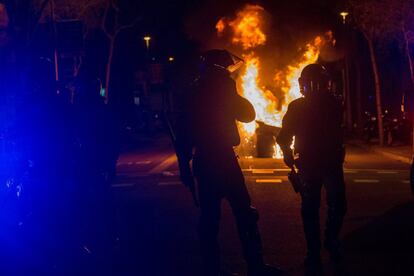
(156, 219)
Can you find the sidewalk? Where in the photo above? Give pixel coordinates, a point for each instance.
(400, 153)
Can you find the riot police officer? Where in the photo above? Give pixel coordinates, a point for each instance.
(209, 128)
(314, 123)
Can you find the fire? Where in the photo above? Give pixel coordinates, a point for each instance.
(247, 31)
(288, 80)
(264, 102)
(246, 27)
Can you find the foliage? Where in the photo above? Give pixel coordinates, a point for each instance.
(375, 18)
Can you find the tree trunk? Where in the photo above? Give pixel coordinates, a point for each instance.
(359, 98)
(377, 90)
(108, 67)
(410, 64)
(349, 123)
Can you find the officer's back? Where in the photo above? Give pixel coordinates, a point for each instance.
(216, 106)
(317, 128)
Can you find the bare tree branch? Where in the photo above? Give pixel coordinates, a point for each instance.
(124, 27)
(104, 19)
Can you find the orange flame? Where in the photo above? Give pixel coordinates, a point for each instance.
(220, 26)
(246, 27)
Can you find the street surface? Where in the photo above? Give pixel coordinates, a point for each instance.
(156, 218)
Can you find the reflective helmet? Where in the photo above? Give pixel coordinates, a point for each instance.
(314, 79)
(221, 60)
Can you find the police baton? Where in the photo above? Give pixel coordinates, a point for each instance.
(173, 137)
(295, 180)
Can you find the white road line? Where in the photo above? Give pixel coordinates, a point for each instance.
(132, 175)
(268, 180)
(386, 172)
(366, 180)
(350, 171)
(376, 170)
(169, 173)
(171, 183)
(265, 170)
(121, 185)
(406, 181)
(146, 162)
(164, 165)
(262, 171)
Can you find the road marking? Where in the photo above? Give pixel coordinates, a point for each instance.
(132, 175)
(386, 172)
(121, 185)
(164, 165)
(262, 171)
(129, 163)
(350, 171)
(268, 180)
(406, 181)
(170, 173)
(145, 162)
(171, 183)
(376, 170)
(270, 170)
(366, 180)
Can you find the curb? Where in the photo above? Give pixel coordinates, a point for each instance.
(394, 156)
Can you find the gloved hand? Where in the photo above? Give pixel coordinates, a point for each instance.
(188, 180)
(288, 159)
(186, 176)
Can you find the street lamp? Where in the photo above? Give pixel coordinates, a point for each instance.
(345, 75)
(344, 14)
(147, 41)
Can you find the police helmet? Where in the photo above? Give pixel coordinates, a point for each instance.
(221, 60)
(314, 79)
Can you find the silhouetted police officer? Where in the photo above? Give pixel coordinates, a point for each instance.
(44, 139)
(209, 128)
(314, 122)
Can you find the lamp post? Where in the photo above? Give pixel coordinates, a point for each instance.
(345, 75)
(147, 39)
(344, 14)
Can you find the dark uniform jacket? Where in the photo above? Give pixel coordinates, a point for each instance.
(208, 124)
(316, 124)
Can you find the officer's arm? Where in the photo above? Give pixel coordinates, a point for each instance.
(285, 137)
(184, 145)
(243, 109)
